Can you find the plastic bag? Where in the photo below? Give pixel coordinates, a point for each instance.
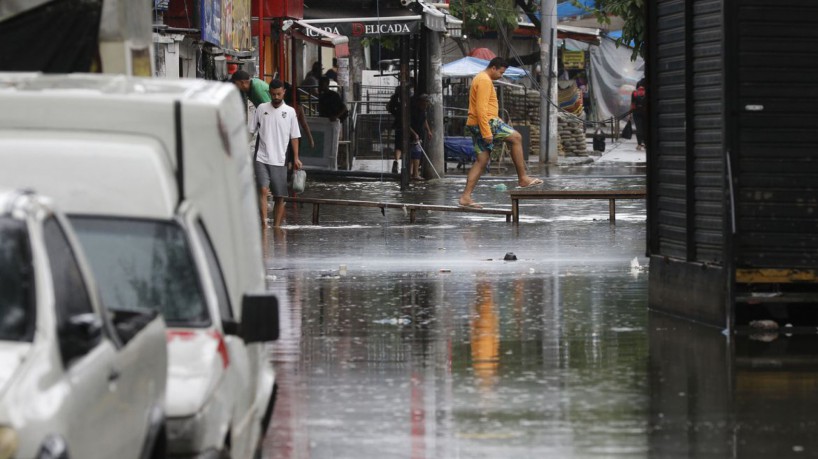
(299, 180)
(627, 132)
(599, 140)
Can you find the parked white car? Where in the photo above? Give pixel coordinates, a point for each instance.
(156, 177)
(75, 380)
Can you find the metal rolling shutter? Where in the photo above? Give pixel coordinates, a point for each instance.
(777, 170)
(706, 159)
(669, 192)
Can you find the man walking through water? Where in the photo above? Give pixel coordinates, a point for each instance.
(489, 132)
(277, 126)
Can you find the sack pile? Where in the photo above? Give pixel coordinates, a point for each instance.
(572, 136)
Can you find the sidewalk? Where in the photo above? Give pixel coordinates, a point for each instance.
(624, 151)
(620, 153)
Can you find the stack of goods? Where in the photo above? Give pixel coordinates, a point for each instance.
(523, 108)
(570, 97)
(572, 136)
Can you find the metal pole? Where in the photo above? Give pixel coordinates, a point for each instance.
(404, 90)
(434, 86)
(261, 41)
(548, 140)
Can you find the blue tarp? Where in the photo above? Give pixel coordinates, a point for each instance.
(567, 10)
(468, 67)
(459, 149)
(616, 34)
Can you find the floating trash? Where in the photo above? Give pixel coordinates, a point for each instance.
(510, 257)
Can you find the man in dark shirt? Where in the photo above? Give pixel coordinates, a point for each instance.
(330, 105)
(419, 126)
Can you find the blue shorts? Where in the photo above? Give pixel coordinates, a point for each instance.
(416, 151)
(500, 131)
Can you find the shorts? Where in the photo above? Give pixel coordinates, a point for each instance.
(499, 132)
(272, 177)
(416, 151)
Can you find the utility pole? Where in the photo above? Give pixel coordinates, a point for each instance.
(434, 87)
(548, 113)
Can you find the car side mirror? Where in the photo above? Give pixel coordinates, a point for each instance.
(79, 335)
(259, 318)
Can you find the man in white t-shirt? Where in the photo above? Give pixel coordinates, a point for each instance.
(277, 126)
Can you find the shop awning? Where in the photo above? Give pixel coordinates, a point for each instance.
(309, 33)
(361, 20)
(366, 26)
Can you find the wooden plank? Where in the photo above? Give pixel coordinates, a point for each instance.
(578, 194)
(610, 195)
(412, 208)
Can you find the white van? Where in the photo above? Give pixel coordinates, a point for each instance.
(76, 380)
(156, 177)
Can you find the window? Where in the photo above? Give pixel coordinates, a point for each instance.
(216, 276)
(144, 265)
(70, 291)
(17, 307)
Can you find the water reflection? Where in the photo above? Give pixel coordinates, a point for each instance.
(400, 358)
(712, 396)
(485, 337)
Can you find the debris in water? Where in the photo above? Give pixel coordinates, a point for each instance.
(395, 321)
(764, 324)
(510, 257)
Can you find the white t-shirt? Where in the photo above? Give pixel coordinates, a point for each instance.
(276, 126)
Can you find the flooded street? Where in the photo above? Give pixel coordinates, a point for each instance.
(420, 341)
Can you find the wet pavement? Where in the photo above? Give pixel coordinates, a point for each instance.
(420, 341)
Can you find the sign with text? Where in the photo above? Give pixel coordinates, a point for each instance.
(573, 59)
(365, 29)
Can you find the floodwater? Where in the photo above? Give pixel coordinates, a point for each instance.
(420, 341)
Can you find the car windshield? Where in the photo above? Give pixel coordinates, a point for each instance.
(16, 282)
(144, 264)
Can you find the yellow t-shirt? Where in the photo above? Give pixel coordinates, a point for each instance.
(483, 104)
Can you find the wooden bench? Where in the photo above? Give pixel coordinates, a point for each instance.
(611, 196)
(411, 208)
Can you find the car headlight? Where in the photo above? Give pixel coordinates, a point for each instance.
(8, 442)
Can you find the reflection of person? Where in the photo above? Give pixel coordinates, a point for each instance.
(277, 125)
(485, 336)
(639, 108)
(489, 132)
(418, 125)
(252, 88)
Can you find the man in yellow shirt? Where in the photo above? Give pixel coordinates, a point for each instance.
(489, 131)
